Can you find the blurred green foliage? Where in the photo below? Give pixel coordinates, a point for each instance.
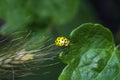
(21, 14)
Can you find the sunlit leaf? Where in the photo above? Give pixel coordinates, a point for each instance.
(92, 55)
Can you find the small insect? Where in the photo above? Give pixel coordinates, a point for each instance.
(62, 41)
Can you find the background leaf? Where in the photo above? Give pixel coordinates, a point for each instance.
(21, 14)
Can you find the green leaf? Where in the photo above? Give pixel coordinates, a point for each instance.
(20, 14)
(91, 55)
(54, 11)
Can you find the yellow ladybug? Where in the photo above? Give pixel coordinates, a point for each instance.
(62, 41)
